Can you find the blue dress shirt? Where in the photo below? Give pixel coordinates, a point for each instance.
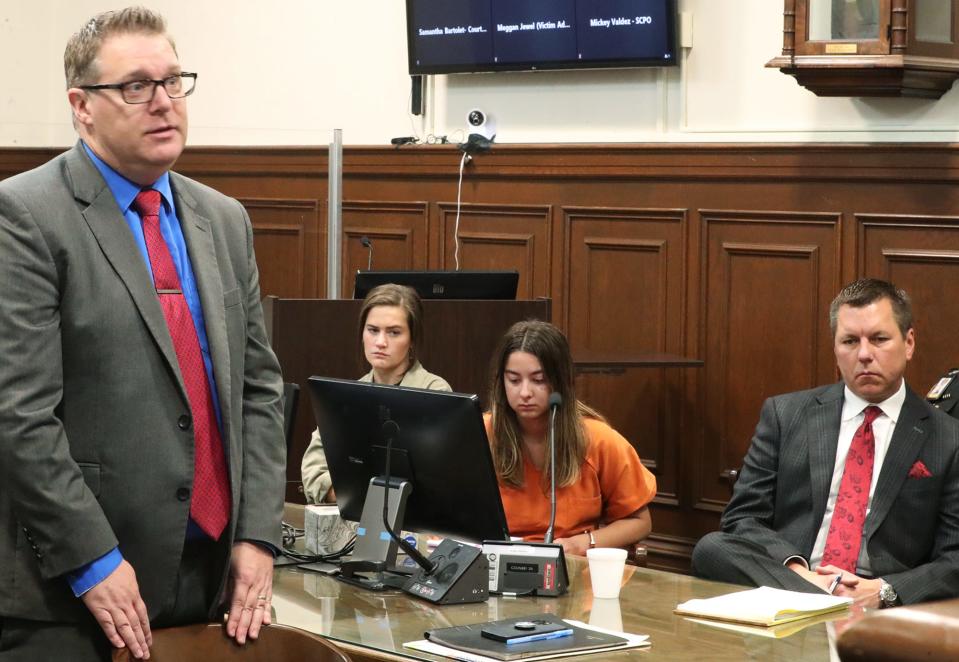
(124, 192)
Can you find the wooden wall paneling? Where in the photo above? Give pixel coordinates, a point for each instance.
(921, 255)
(753, 288)
(625, 293)
(559, 248)
(13, 161)
(625, 279)
(285, 190)
(284, 238)
(500, 237)
(398, 231)
(322, 250)
(768, 280)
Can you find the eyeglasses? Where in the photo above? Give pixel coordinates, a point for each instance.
(176, 86)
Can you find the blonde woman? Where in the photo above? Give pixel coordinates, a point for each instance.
(391, 334)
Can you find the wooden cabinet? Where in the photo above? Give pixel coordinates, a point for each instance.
(871, 47)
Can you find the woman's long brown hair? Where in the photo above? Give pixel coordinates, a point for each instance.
(548, 344)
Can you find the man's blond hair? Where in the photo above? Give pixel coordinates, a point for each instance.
(80, 56)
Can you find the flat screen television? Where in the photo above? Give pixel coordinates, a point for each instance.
(461, 36)
(440, 448)
(443, 284)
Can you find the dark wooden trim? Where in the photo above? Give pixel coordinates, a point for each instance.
(935, 162)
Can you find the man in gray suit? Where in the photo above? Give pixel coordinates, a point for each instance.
(852, 487)
(141, 446)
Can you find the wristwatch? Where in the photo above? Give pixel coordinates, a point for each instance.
(592, 540)
(887, 595)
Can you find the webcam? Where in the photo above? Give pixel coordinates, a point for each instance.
(480, 122)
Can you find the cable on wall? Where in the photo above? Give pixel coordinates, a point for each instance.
(459, 201)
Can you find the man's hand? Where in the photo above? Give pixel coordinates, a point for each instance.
(865, 592)
(116, 604)
(820, 579)
(250, 590)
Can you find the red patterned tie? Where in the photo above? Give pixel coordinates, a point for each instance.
(210, 505)
(845, 531)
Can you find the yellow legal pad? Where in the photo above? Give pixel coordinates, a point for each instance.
(763, 606)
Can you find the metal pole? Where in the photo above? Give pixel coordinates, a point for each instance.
(334, 216)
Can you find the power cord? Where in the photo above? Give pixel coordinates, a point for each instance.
(289, 537)
(431, 139)
(290, 534)
(459, 201)
(475, 144)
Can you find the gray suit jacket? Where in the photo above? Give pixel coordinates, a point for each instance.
(91, 454)
(912, 530)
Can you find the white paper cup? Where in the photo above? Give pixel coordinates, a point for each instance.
(606, 565)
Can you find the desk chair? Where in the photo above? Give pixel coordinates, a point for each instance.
(927, 632)
(207, 642)
(636, 555)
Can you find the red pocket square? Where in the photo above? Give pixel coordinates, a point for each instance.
(919, 470)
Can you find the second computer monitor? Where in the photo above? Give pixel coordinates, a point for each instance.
(439, 446)
(443, 284)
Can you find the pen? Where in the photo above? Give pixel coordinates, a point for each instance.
(543, 636)
(835, 583)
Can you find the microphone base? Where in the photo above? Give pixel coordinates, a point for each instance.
(461, 576)
(526, 568)
(373, 542)
(381, 581)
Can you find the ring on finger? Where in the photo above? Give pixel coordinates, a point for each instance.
(261, 597)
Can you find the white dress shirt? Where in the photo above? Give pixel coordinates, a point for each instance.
(882, 429)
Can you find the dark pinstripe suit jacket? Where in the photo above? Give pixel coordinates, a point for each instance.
(912, 530)
(91, 450)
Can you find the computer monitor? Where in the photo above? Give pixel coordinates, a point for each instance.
(439, 446)
(443, 284)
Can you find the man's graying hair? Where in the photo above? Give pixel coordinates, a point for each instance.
(80, 56)
(869, 290)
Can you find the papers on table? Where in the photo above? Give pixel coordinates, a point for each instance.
(772, 631)
(764, 606)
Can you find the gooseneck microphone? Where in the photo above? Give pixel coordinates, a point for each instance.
(369, 246)
(555, 401)
(532, 568)
(391, 430)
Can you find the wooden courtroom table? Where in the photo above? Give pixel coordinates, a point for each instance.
(374, 626)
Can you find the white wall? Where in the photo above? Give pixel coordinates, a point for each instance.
(287, 72)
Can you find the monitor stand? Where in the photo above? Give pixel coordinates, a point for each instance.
(373, 563)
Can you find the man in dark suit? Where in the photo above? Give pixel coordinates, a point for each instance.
(852, 487)
(142, 458)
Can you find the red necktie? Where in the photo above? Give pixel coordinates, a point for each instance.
(210, 504)
(848, 517)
